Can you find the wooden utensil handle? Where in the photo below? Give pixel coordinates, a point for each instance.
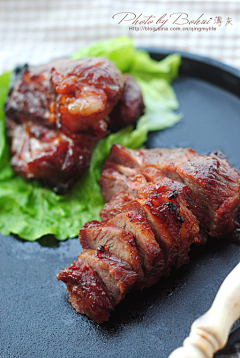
(210, 332)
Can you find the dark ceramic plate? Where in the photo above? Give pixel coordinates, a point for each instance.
(37, 321)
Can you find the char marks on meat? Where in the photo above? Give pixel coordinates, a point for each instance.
(158, 203)
(150, 254)
(213, 183)
(60, 110)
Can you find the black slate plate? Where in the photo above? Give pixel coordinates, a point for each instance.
(37, 320)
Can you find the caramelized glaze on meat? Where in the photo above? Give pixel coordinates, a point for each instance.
(150, 254)
(42, 153)
(129, 107)
(31, 97)
(86, 93)
(87, 292)
(210, 178)
(60, 110)
(217, 185)
(114, 239)
(116, 274)
(156, 218)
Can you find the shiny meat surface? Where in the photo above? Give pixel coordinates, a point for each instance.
(150, 254)
(113, 180)
(72, 99)
(114, 207)
(211, 179)
(161, 158)
(174, 225)
(42, 153)
(116, 274)
(114, 239)
(217, 184)
(75, 95)
(32, 97)
(164, 215)
(87, 292)
(86, 92)
(129, 107)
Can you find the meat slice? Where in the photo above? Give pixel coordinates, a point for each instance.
(185, 233)
(151, 174)
(217, 184)
(129, 107)
(163, 216)
(174, 225)
(117, 177)
(150, 254)
(115, 240)
(163, 159)
(210, 178)
(191, 204)
(42, 153)
(114, 180)
(87, 292)
(116, 274)
(163, 220)
(114, 206)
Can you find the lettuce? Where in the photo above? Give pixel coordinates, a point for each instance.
(30, 210)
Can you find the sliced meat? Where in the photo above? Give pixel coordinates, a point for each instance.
(163, 220)
(115, 240)
(150, 254)
(188, 228)
(210, 178)
(112, 182)
(116, 177)
(129, 107)
(114, 206)
(217, 184)
(184, 195)
(163, 159)
(116, 274)
(162, 215)
(87, 292)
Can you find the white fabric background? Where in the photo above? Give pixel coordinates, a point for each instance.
(36, 31)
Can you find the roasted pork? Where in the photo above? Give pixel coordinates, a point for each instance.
(56, 113)
(158, 203)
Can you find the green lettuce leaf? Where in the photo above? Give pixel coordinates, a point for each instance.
(30, 210)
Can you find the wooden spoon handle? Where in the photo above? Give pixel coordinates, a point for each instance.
(210, 332)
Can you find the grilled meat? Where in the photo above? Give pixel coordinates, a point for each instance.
(48, 154)
(212, 182)
(129, 107)
(114, 239)
(158, 203)
(114, 207)
(88, 294)
(86, 92)
(57, 112)
(150, 254)
(75, 95)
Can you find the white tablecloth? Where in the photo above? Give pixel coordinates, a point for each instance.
(36, 31)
